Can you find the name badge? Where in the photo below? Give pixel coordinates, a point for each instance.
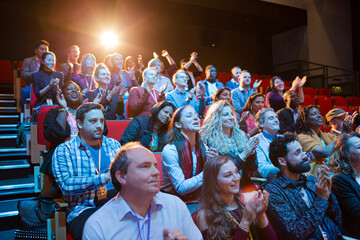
(101, 193)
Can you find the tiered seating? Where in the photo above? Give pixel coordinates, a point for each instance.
(354, 103)
(340, 101)
(324, 103)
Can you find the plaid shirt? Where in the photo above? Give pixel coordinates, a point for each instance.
(75, 172)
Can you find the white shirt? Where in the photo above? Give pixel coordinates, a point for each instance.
(212, 88)
(116, 220)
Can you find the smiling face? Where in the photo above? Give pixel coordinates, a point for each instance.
(72, 95)
(189, 120)
(103, 77)
(279, 85)
(165, 115)
(271, 122)
(245, 79)
(118, 61)
(228, 179)
(227, 118)
(74, 54)
(314, 118)
(142, 176)
(90, 62)
(225, 95)
(150, 75)
(49, 62)
(258, 104)
(92, 127)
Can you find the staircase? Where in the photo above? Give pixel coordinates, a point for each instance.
(16, 170)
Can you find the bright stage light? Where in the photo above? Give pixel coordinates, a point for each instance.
(109, 39)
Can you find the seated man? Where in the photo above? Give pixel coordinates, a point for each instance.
(268, 122)
(81, 167)
(210, 84)
(241, 94)
(234, 82)
(71, 67)
(289, 114)
(336, 118)
(300, 206)
(144, 97)
(140, 211)
(30, 66)
(181, 97)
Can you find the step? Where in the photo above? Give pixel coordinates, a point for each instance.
(6, 96)
(8, 109)
(17, 186)
(12, 152)
(7, 103)
(8, 208)
(14, 164)
(9, 119)
(8, 128)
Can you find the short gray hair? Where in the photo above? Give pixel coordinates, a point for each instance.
(260, 116)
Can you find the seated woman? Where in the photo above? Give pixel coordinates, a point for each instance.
(112, 101)
(184, 156)
(220, 131)
(150, 131)
(276, 90)
(312, 139)
(133, 69)
(253, 105)
(346, 182)
(224, 214)
(60, 125)
(107, 61)
(85, 78)
(144, 97)
(47, 81)
(161, 81)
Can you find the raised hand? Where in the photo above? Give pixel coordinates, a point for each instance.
(193, 56)
(61, 99)
(155, 55)
(257, 84)
(175, 234)
(323, 182)
(302, 82)
(249, 148)
(295, 83)
(211, 153)
(164, 53)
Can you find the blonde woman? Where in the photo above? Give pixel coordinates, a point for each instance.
(221, 132)
(85, 78)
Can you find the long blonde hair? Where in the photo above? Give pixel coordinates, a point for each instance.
(213, 135)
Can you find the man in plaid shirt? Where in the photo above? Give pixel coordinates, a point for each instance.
(81, 167)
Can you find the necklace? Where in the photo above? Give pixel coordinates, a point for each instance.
(237, 223)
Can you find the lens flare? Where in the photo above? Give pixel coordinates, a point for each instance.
(109, 39)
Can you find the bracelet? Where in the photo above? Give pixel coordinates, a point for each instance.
(64, 109)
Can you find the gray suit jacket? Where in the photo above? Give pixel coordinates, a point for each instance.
(28, 68)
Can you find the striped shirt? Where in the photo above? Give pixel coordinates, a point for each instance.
(75, 172)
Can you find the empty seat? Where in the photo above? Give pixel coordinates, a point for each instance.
(324, 92)
(308, 100)
(6, 76)
(116, 128)
(340, 101)
(324, 103)
(223, 77)
(354, 101)
(309, 91)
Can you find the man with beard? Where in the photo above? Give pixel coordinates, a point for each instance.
(71, 67)
(300, 206)
(81, 167)
(289, 114)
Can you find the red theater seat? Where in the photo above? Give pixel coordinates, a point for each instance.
(346, 109)
(116, 128)
(42, 111)
(264, 84)
(308, 100)
(223, 77)
(324, 92)
(325, 129)
(158, 159)
(354, 101)
(324, 103)
(128, 112)
(6, 76)
(340, 101)
(309, 91)
(33, 98)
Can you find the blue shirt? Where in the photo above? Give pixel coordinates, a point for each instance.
(240, 96)
(232, 84)
(179, 99)
(208, 98)
(74, 171)
(116, 220)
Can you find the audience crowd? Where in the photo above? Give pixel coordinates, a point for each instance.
(256, 167)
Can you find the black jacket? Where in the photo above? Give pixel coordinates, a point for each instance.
(286, 119)
(141, 129)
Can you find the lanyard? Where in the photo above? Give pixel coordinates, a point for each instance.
(265, 139)
(237, 223)
(153, 95)
(138, 224)
(98, 171)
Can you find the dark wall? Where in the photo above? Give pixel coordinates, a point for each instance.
(143, 27)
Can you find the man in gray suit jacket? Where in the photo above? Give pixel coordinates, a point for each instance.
(30, 66)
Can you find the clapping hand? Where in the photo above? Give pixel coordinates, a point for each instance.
(164, 53)
(193, 56)
(211, 153)
(249, 148)
(61, 99)
(155, 55)
(349, 122)
(54, 82)
(323, 182)
(244, 118)
(122, 91)
(175, 234)
(257, 84)
(302, 82)
(201, 90)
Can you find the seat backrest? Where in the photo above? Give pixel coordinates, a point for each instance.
(309, 91)
(223, 77)
(354, 101)
(33, 98)
(128, 112)
(324, 103)
(340, 101)
(264, 84)
(324, 92)
(6, 71)
(157, 155)
(42, 111)
(116, 128)
(308, 100)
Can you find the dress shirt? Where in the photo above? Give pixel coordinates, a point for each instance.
(173, 177)
(74, 170)
(240, 96)
(232, 84)
(179, 99)
(161, 81)
(116, 220)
